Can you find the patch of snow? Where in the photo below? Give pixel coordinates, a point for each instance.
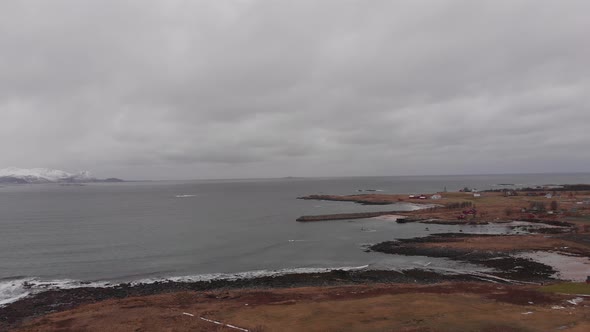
(575, 301)
(43, 175)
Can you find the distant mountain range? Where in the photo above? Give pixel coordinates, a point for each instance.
(13, 175)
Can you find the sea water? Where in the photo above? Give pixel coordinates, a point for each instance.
(54, 236)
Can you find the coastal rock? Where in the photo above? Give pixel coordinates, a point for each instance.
(344, 216)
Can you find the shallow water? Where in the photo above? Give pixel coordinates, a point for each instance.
(572, 268)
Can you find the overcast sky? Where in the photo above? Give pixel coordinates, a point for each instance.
(229, 89)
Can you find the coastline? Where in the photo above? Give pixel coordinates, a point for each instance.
(27, 308)
(505, 257)
(413, 300)
(50, 301)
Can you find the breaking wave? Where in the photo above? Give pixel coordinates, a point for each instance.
(13, 289)
(249, 274)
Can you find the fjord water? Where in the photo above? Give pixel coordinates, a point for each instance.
(141, 230)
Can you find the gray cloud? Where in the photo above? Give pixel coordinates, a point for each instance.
(177, 89)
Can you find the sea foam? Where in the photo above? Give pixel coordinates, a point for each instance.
(14, 289)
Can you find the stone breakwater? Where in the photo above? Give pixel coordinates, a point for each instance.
(344, 216)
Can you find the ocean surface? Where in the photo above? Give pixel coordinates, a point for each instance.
(59, 236)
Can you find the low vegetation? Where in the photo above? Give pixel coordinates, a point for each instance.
(567, 288)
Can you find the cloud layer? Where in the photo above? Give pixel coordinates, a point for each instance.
(210, 89)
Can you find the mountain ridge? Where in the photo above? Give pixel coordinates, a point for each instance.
(14, 175)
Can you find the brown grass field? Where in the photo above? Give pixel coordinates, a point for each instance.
(393, 307)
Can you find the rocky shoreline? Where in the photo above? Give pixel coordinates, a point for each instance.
(345, 216)
(507, 269)
(59, 300)
(363, 199)
(498, 253)
(504, 264)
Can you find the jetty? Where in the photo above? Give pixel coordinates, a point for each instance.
(344, 216)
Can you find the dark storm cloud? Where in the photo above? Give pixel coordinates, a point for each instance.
(183, 89)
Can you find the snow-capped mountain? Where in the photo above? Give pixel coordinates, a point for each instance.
(45, 175)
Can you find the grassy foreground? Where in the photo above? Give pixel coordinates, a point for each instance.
(393, 307)
(568, 288)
